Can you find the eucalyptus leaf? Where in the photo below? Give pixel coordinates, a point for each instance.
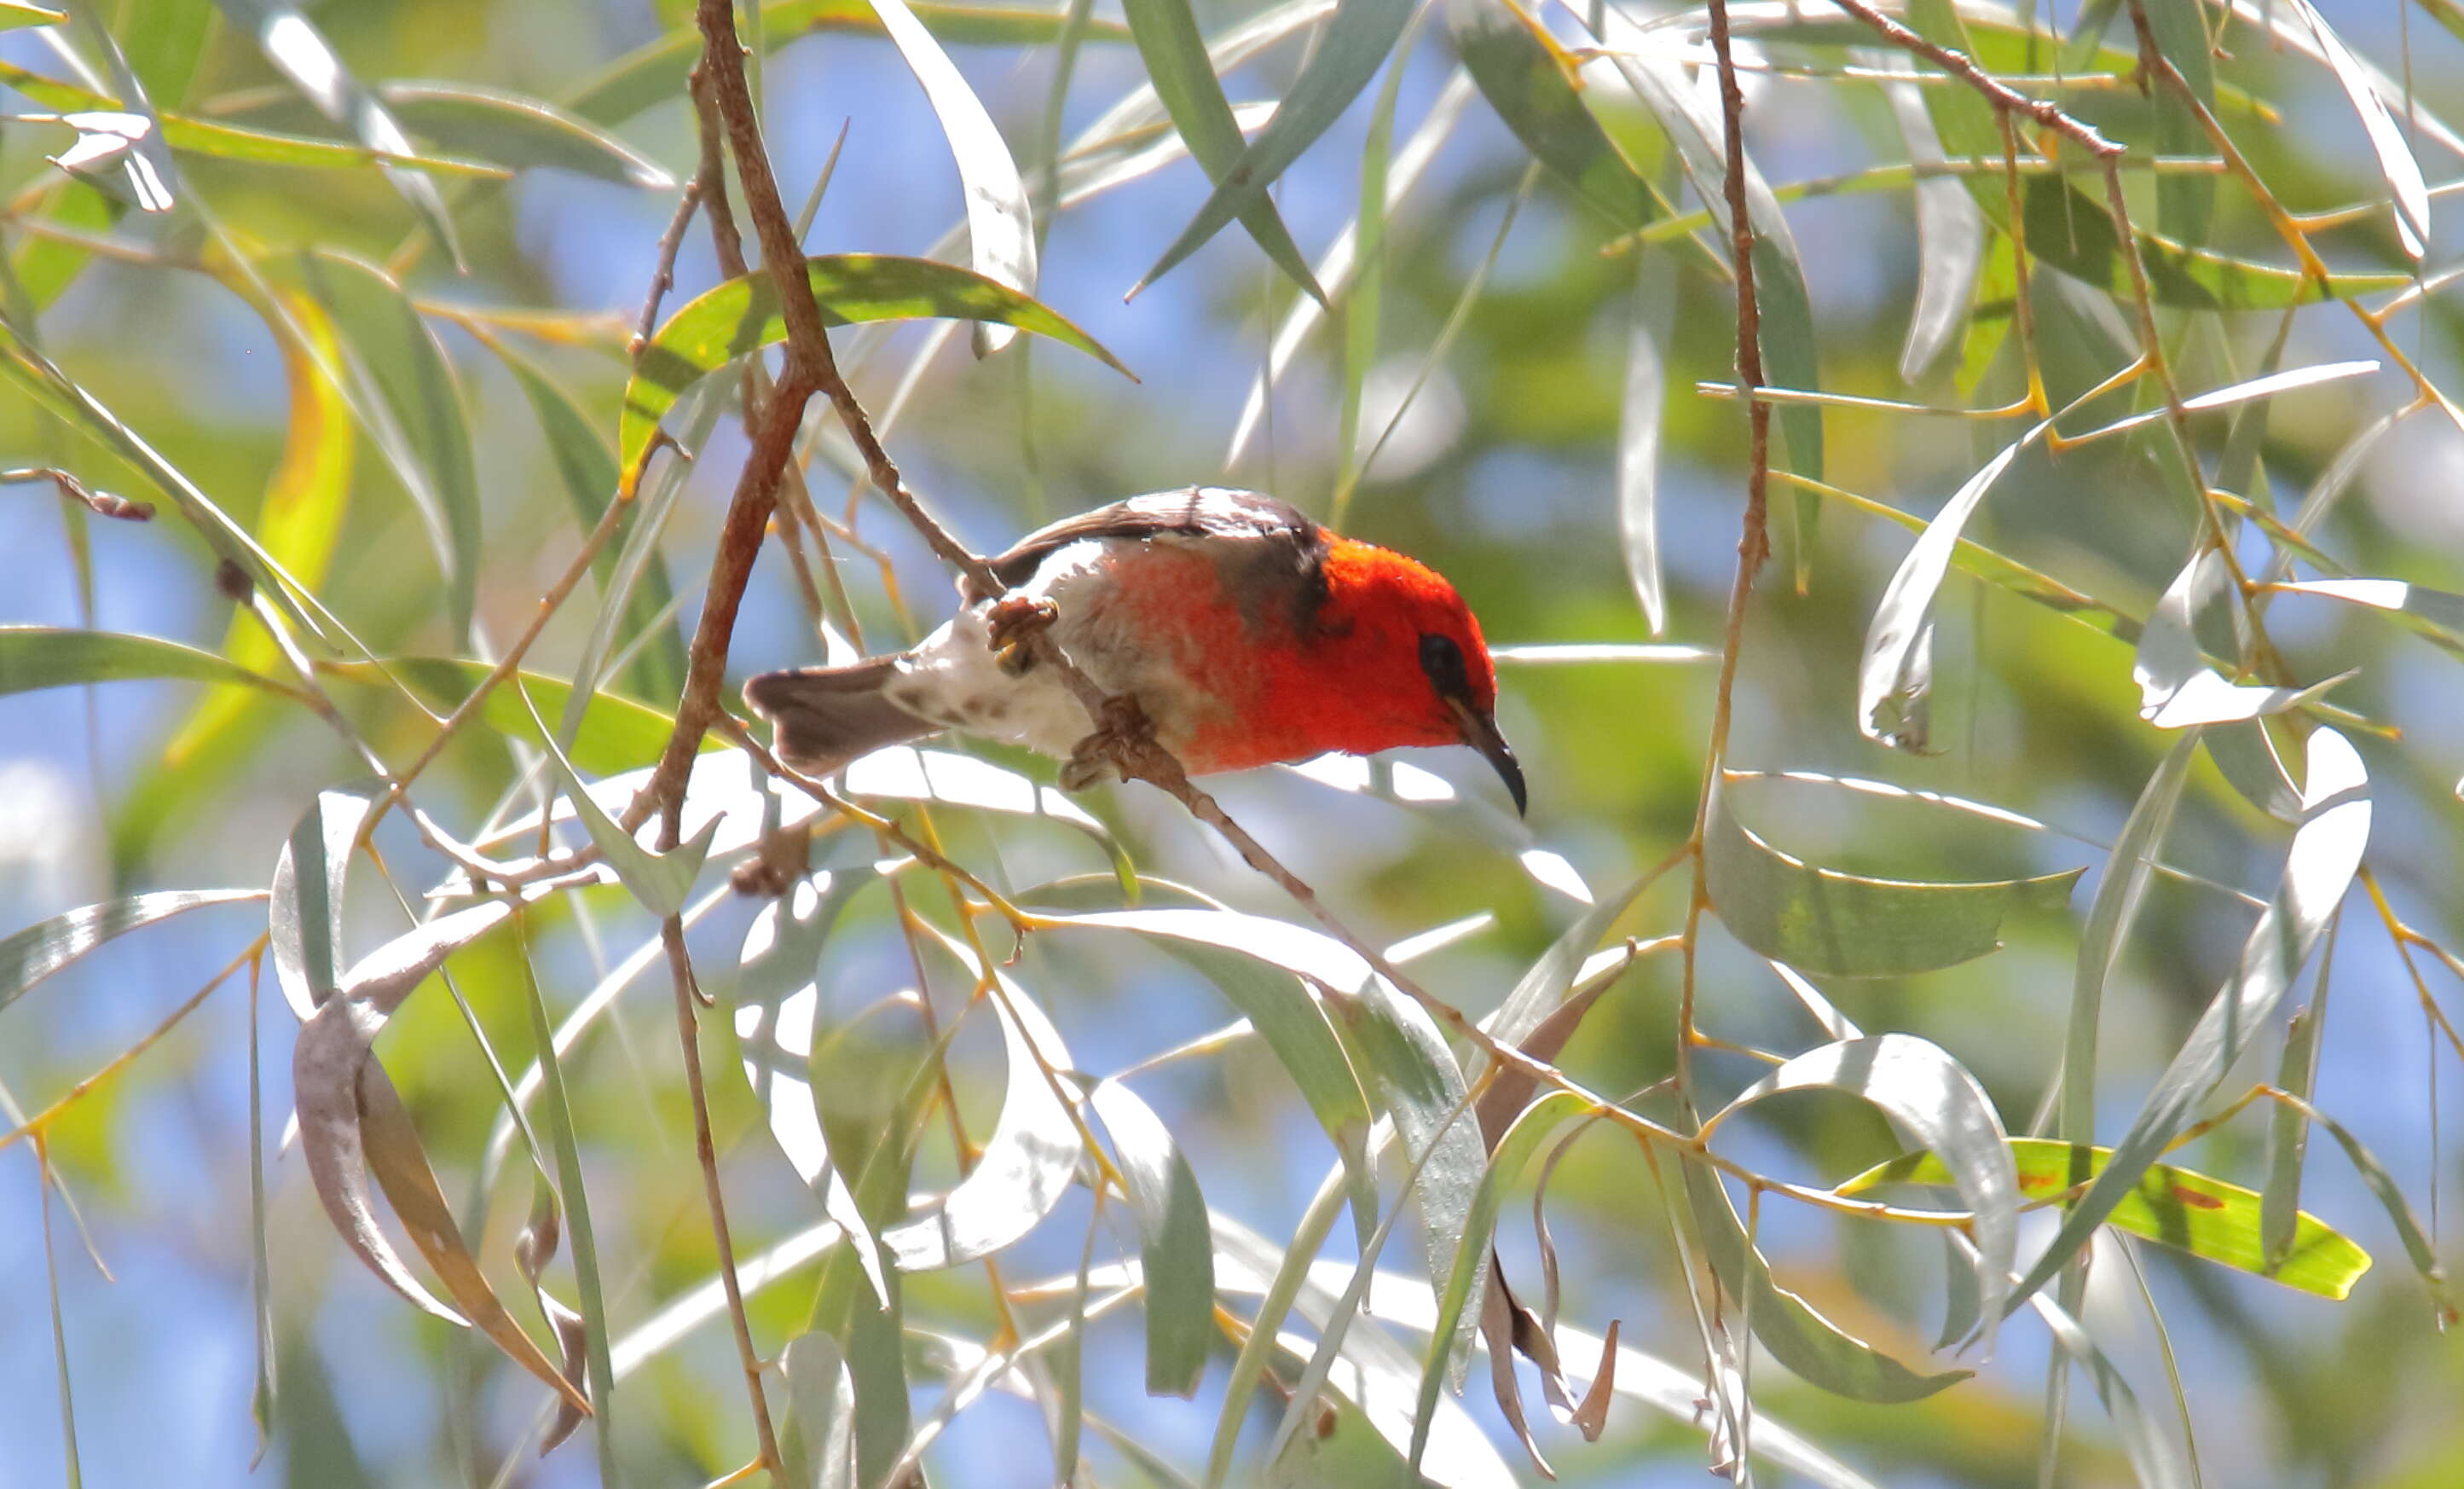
(1175, 1253)
(45, 946)
(1848, 926)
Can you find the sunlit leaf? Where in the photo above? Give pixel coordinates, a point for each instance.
(1027, 1162)
(33, 657)
(2173, 1207)
(1895, 677)
(423, 428)
(2177, 688)
(2288, 1133)
(741, 315)
(659, 878)
(1348, 54)
(1950, 233)
(14, 14)
(1184, 80)
(617, 734)
(2397, 163)
(1251, 960)
(1175, 1253)
(300, 53)
(305, 915)
(654, 73)
(777, 1005)
(45, 946)
(2325, 852)
(1001, 231)
(1529, 79)
(1849, 925)
(818, 1439)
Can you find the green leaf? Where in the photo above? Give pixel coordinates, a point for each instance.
(2325, 852)
(33, 657)
(654, 73)
(1175, 1250)
(2073, 232)
(742, 314)
(1933, 1099)
(1029, 1162)
(1348, 52)
(1529, 79)
(818, 1440)
(233, 142)
(577, 1208)
(617, 734)
(1183, 76)
(2110, 916)
(424, 430)
(586, 468)
(14, 14)
(310, 877)
(1796, 1334)
(1505, 1165)
(2436, 613)
(2172, 1207)
(511, 130)
(2288, 1132)
(660, 880)
(300, 53)
(2177, 688)
(1252, 961)
(44, 947)
(1839, 924)
(1790, 356)
(1895, 677)
(776, 1008)
(2397, 163)
(1001, 226)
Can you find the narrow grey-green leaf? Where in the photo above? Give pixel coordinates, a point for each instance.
(2325, 852)
(300, 53)
(32, 657)
(2177, 688)
(2110, 916)
(45, 946)
(2288, 1133)
(1175, 1250)
(777, 1005)
(1526, 76)
(1505, 1165)
(2397, 163)
(1026, 1164)
(1895, 677)
(1796, 1335)
(304, 919)
(819, 1438)
(1951, 231)
(1849, 925)
(1639, 415)
(424, 424)
(1935, 1100)
(1347, 55)
(512, 130)
(661, 881)
(1001, 226)
(1183, 76)
(1251, 960)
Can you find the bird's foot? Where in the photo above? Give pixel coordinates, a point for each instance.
(1123, 737)
(1012, 622)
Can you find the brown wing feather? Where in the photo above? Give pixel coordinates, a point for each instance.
(1190, 512)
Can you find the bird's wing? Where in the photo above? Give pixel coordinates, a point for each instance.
(1190, 512)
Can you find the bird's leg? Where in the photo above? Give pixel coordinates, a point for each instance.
(1012, 619)
(1123, 737)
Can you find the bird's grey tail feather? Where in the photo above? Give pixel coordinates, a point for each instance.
(824, 717)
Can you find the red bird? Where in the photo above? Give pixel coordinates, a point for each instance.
(1246, 633)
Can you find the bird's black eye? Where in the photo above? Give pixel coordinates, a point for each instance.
(1444, 662)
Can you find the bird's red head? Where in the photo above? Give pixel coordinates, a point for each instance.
(1401, 661)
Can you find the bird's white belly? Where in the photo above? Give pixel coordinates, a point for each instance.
(955, 678)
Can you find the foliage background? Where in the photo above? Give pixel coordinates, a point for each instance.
(1502, 476)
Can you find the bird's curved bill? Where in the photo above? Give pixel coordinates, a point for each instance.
(1480, 732)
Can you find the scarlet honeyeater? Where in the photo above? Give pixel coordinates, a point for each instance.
(1243, 631)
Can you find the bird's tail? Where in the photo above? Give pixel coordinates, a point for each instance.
(824, 717)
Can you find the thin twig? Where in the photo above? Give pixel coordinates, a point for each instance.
(663, 278)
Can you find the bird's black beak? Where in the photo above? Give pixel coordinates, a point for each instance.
(1480, 732)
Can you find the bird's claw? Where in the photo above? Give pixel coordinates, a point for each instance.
(1122, 735)
(1013, 620)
